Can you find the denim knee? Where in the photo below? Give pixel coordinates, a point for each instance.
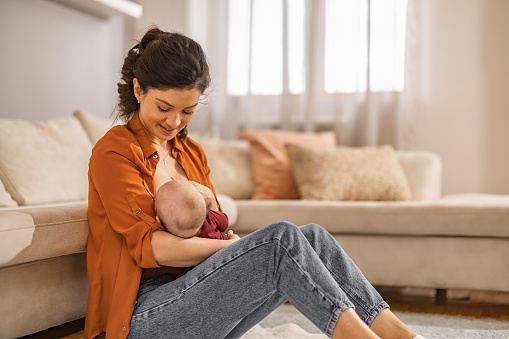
(281, 229)
(314, 229)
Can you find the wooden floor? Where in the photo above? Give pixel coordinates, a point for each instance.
(474, 304)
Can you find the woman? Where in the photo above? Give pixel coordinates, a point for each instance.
(141, 284)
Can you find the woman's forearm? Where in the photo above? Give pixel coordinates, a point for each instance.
(170, 250)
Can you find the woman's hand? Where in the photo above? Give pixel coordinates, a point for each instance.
(208, 196)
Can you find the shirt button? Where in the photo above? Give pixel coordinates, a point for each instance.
(155, 156)
(124, 329)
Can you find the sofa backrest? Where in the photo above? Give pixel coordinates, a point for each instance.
(232, 174)
(47, 161)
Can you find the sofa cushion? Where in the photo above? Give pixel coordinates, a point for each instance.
(94, 126)
(348, 173)
(230, 166)
(228, 207)
(474, 215)
(5, 197)
(423, 171)
(270, 162)
(46, 231)
(44, 161)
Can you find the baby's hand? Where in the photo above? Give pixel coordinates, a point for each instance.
(232, 236)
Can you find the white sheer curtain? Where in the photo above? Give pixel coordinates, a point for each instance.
(324, 64)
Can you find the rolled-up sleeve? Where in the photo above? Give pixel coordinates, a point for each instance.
(120, 178)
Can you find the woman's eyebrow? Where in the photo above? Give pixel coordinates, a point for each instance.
(164, 102)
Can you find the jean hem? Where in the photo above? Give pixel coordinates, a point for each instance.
(335, 316)
(375, 312)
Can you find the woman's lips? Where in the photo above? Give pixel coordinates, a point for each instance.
(168, 131)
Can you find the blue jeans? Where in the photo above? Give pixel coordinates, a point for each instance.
(240, 285)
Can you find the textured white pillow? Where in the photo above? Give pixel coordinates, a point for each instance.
(44, 161)
(94, 126)
(348, 173)
(5, 198)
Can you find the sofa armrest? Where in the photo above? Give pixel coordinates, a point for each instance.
(424, 174)
(229, 207)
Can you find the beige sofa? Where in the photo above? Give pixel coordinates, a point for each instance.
(441, 242)
(433, 241)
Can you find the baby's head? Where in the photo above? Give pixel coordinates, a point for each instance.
(180, 208)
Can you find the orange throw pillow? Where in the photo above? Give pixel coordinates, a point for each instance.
(271, 165)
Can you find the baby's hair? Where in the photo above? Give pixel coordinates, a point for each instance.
(173, 200)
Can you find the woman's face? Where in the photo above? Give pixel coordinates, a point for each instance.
(164, 113)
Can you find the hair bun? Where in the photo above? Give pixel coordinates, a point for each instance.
(152, 34)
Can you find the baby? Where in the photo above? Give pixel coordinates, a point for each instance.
(182, 210)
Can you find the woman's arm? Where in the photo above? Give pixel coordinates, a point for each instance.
(170, 250)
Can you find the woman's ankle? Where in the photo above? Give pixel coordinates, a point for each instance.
(387, 325)
(350, 326)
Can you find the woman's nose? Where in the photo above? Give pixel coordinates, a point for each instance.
(173, 120)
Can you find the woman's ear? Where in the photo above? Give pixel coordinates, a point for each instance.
(137, 89)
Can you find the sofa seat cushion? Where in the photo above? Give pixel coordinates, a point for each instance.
(41, 232)
(463, 216)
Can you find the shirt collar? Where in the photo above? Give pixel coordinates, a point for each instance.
(177, 144)
(139, 132)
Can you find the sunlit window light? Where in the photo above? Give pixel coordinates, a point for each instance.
(255, 50)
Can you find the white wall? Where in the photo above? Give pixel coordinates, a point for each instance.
(168, 15)
(465, 100)
(56, 59)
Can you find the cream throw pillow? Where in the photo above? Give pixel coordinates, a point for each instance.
(348, 173)
(5, 197)
(44, 161)
(271, 166)
(94, 126)
(230, 166)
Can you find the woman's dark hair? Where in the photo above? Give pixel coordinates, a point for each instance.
(161, 60)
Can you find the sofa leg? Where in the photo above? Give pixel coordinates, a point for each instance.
(441, 296)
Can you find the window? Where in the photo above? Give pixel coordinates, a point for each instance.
(256, 55)
(255, 36)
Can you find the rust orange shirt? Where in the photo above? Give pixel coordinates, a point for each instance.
(122, 219)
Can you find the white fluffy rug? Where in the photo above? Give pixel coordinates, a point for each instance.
(287, 331)
(287, 323)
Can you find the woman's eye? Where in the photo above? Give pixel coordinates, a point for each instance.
(187, 113)
(163, 110)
